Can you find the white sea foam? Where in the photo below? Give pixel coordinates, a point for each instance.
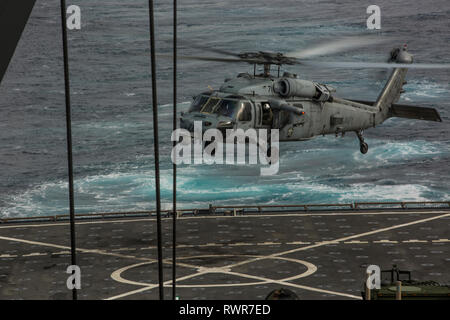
(425, 88)
(307, 175)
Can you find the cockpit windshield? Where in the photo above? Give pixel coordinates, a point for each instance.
(225, 107)
(198, 103)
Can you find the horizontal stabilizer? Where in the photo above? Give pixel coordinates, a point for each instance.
(409, 112)
(412, 112)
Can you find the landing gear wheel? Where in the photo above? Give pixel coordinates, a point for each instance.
(363, 148)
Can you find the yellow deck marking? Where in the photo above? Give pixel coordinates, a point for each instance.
(298, 242)
(385, 241)
(268, 243)
(34, 254)
(237, 244)
(62, 252)
(441, 240)
(356, 242)
(124, 249)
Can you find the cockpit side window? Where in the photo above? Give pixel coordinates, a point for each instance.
(227, 108)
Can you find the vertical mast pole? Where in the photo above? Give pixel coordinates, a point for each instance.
(69, 140)
(156, 149)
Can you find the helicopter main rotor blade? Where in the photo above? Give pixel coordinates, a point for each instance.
(375, 65)
(197, 45)
(336, 46)
(202, 58)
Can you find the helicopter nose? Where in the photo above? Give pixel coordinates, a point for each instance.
(189, 124)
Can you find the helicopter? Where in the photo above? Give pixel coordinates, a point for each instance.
(302, 109)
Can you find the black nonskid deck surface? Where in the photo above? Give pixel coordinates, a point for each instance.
(317, 255)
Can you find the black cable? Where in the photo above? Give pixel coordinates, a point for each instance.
(69, 139)
(174, 196)
(156, 149)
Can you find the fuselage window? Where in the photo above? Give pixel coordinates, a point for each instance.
(267, 116)
(245, 113)
(259, 114)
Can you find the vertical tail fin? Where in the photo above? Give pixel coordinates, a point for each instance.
(394, 86)
(392, 90)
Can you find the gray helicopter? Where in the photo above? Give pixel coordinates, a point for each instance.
(302, 109)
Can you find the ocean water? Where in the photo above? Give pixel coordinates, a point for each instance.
(112, 121)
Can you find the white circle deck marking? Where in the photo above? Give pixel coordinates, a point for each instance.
(311, 268)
